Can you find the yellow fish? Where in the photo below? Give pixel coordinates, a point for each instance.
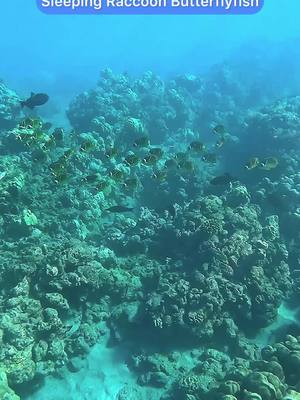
(196, 146)
(131, 160)
(131, 183)
(58, 134)
(210, 158)
(116, 174)
(220, 142)
(156, 151)
(186, 165)
(93, 178)
(57, 167)
(102, 185)
(142, 142)
(149, 159)
(61, 177)
(87, 146)
(269, 163)
(160, 175)
(111, 152)
(219, 129)
(252, 163)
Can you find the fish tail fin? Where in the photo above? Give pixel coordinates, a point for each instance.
(22, 104)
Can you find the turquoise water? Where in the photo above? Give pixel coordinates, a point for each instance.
(149, 206)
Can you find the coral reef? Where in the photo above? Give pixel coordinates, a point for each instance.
(210, 374)
(5, 392)
(9, 107)
(131, 222)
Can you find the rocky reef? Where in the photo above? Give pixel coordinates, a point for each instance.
(125, 107)
(9, 107)
(147, 220)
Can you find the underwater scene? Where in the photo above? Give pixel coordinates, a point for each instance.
(150, 205)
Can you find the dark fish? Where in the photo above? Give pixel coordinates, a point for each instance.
(36, 99)
(119, 209)
(222, 180)
(172, 210)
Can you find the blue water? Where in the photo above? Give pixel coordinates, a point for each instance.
(56, 51)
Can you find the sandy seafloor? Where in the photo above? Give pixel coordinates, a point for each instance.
(104, 375)
(101, 376)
